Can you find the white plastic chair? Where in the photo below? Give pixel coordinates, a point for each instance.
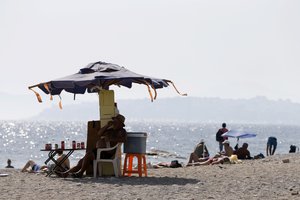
(115, 160)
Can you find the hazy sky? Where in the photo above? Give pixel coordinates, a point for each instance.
(230, 49)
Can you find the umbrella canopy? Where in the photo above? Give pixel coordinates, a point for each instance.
(238, 134)
(101, 75)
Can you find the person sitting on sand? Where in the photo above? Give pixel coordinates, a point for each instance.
(65, 165)
(243, 152)
(9, 164)
(228, 149)
(271, 146)
(113, 133)
(200, 153)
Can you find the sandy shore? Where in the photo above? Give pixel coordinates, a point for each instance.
(267, 178)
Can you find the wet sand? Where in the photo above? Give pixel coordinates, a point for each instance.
(268, 178)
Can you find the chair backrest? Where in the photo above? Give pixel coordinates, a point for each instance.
(117, 148)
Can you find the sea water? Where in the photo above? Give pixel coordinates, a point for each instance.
(23, 140)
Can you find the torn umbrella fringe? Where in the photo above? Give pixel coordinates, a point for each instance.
(60, 104)
(149, 90)
(176, 89)
(155, 92)
(46, 86)
(38, 96)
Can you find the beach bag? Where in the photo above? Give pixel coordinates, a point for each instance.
(292, 149)
(175, 164)
(259, 156)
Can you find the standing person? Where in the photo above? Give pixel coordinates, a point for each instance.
(219, 137)
(271, 146)
(200, 153)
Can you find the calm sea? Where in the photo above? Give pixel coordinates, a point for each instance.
(22, 140)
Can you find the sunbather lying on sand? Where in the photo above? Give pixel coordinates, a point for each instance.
(217, 159)
(31, 166)
(173, 164)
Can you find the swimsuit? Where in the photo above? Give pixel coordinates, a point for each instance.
(36, 168)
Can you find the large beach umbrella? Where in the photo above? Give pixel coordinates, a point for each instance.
(238, 134)
(97, 76)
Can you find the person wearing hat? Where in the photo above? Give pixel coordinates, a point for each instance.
(228, 149)
(200, 153)
(112, 133)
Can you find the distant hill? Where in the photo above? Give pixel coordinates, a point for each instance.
(254, 110)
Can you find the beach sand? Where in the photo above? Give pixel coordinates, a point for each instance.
(268, 178)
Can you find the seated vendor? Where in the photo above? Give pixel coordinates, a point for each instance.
(112, 133)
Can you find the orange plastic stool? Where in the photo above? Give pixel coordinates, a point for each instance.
(142, 166)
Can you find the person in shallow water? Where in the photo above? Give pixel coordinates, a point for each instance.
(9, 164)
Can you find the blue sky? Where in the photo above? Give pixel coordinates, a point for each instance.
(228, 49)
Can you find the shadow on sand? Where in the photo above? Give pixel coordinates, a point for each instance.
(136, 180)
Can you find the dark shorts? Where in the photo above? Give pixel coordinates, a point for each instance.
(272, 141)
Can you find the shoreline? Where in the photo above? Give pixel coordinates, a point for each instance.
(268, 178)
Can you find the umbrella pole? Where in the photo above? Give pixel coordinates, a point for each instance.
(107, 111)
(106, 106)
